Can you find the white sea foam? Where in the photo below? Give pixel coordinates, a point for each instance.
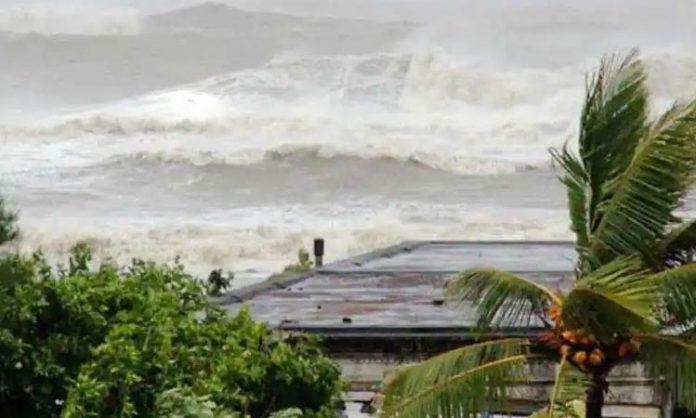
(424, 106)
(256, 247)
(421, 107)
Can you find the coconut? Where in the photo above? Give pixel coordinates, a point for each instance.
(580, 357)
(596, 357)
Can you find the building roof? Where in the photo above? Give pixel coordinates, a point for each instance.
(398, 289)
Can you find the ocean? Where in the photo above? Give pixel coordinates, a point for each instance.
(231, 134)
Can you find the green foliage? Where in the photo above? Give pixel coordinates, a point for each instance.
(183, 403)
(143, 341)
(674, 360)
(459, 383)
(631, 175)
(218, 283)
(678, 293)
(612, 122)
(303, 265)
(569, 388)
(8, 227)
(80, 260)
(501, 298)
(650, 190)
(288, 413)
(616, 300)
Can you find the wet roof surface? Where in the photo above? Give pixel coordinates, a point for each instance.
(398, 288)
(452, 256)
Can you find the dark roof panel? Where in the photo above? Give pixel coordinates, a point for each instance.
(399, 288)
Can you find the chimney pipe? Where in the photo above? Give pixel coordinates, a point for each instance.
(318, 252)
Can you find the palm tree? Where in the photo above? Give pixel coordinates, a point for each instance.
(633, 297)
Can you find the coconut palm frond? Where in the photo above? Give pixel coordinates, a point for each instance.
(576, 181)
(459, 383)
(678, 291)
(501, 298)
(678, 245)
(568, 394)
(674, 360)
(617, 298)
(570, 386)
(654, 184)
(613, 120)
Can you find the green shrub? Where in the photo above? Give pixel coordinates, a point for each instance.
(8, 230)
(183, 403)
(303, 265)
(218, 283)
(143, 341)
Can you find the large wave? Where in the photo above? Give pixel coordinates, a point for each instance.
(422, 106)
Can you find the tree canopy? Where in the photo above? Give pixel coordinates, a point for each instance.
(144, 341)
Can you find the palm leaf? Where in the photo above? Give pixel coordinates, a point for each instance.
(644, 198)
(674, 360)
(568, 394)
(576, 181)
(613, 120)
(618, 298)
(501, 298)
(459, 383)
(678, 291)
(570, 386)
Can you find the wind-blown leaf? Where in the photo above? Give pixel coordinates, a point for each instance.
(674, 360)
(568, 394)
(459, 383)
(613, 120)
(570, 386)
(576, 181)
(654, 184)
(501, 298)
(678, 292)
(618, 298)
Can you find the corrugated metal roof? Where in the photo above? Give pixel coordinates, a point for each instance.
(399, 288)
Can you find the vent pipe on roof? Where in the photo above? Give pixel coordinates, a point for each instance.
(318, 252)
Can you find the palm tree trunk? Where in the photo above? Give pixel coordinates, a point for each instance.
(595, 398)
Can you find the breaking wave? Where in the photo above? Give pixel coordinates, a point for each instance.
(243, 248)
(422, 107)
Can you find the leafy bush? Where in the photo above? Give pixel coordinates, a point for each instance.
(218, 283)
(303, 265)
(143, 341)
(8, 230)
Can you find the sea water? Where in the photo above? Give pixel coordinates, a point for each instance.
(231, 134)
